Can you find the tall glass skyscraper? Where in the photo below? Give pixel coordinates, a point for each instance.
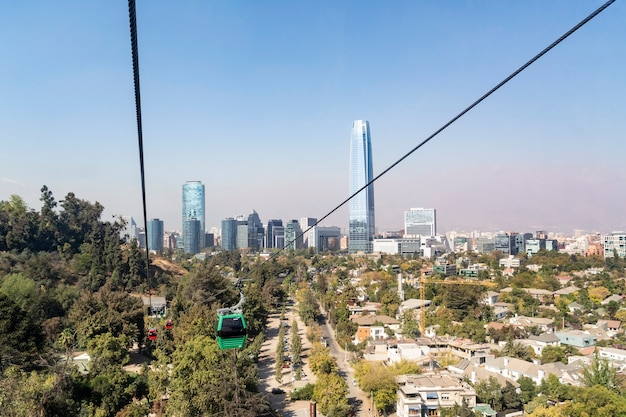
(362, 225)
(155, 235)
(193, 209)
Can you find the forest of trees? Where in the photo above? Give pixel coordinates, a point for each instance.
(69, 282)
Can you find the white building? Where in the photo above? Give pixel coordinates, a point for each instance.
(615, 241)
(420, 222)
(424, 394)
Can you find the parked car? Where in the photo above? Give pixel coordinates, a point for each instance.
(278, 391)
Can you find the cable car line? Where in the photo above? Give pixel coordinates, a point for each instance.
(446, 125)
(132, 17)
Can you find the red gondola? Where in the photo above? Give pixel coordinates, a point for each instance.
(168, 324)
(152, 334)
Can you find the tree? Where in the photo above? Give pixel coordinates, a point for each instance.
(107, 311)
(330, 392)
(321, 361)
(510, 398)
(205, 381)
(490, 392)
(551, 354)
(600, 372)
(516, 350)
(20, 337)
(527, 388)
(380, 380)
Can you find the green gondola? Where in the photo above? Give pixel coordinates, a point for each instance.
(230, 329)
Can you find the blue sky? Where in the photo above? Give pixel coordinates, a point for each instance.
(256, 100)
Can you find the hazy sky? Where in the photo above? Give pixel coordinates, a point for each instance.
(256, 100)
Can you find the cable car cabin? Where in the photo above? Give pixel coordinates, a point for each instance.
(231, 331)
(168, 324)
(152, 334)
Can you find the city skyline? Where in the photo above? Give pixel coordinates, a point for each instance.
(238, 96)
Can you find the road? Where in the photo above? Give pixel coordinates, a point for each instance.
(345, 370)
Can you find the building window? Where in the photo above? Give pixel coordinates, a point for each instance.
(431, 396)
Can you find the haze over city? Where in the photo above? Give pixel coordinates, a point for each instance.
(256, 100)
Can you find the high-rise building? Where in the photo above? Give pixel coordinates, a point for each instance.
(506, 243)
(293, 235)
(242, 234)
(615, 243)
(325, 238)
(229, 234)
(192, 235)
(270, 233)
(256, 232)
(420, 222)
(362, 224)
(305, 224)
(193, 209)
(155, 235)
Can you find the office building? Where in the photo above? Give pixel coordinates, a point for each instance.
(242, 234)
(293, 235)
(191, 239)
(506, 243)
(420, 222)
(324, 238)
(615, 243)
(193, 209)
(256, 232)
(229, 234)
(269, 232)
(305, 224)
(361, 207)
(155, 235)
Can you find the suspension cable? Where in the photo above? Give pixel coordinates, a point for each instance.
(132, 15)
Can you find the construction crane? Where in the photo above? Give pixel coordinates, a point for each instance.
(423, 282)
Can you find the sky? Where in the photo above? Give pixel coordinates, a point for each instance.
(256, 100)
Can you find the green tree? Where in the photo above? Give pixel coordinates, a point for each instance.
(510, 398)
(20, 338)
(321, 361)
(107, 311)
(528, 389)
(490, 392)
(378, 379)
(600, 372)
(551, 354)
(330, 392)
(205, 381)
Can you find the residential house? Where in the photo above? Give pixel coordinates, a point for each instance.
(476, 353)
(576, 338)
(610, 325)
(572, 289)
(544, 324)
(514, 368)
(364, 333)
(615, 297)
(373, 326)
(491, 298)
(564, 280)
(412, 304)
(537, 343)
(574, 306)
(424, 394)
